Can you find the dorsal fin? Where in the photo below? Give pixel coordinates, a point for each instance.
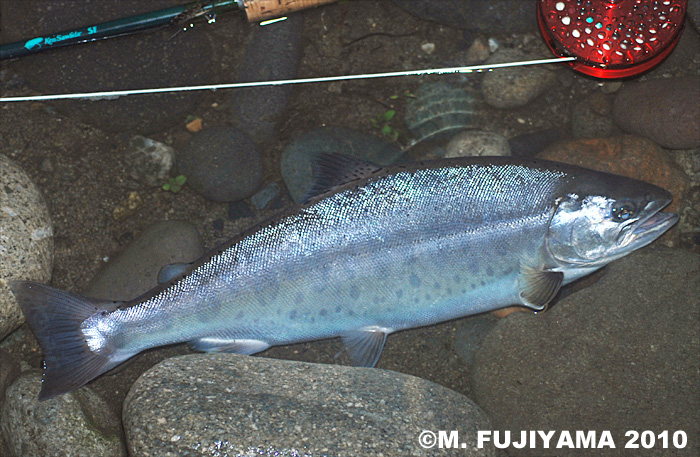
(333, 170)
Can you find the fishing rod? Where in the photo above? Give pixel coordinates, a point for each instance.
(605, 39)
(255, 11)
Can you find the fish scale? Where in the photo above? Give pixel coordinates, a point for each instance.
(386, 232)
(394, 248)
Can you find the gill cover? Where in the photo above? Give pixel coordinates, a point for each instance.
(592, 230)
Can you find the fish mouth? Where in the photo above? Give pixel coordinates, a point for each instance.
(643, 231)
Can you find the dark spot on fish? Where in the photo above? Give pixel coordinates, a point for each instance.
(322, 312)
(415, 300)
(437, 285)
(293, 314)
(338, 309)
(313, 319)
(240, 315)
(489, 271)
(464, 291)
(457, 279)
(351, 312)
(354, 292)
(320, 286)
(399, 293)
(449, 291)
(428, 297)
(256, 321)
(279, 311)
(482, 282)
(414, 280)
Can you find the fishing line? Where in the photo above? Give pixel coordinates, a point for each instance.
(433, 71)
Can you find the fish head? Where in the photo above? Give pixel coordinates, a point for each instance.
(601, 217)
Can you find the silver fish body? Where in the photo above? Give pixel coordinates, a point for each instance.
(395, 248)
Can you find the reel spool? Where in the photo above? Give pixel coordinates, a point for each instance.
(612, 38)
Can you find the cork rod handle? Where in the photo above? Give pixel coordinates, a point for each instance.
(262, 10)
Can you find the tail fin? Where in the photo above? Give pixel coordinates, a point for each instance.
(55, 317)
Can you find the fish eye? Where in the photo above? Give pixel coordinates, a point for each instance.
(623, 210)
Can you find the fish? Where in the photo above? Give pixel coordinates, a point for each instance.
(371, 251)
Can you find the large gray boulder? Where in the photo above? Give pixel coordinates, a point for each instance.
(240, 405)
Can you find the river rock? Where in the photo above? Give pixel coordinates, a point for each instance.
(149, 161)
(144, 60)
(135, 270)
(440, 110)
(239, 405)
(516, 86)
(78, 424)
(664, 110)
(529, 144)
(694, 13)
(9, 371)
(298, 156)
(591, 118)
(26, 239)
(620, 355)
(222, 164)
(273, 53)
(474, 143)
(625, 155)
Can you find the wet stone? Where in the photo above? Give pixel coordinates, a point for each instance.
(9, 371)
(529, 144)
(83, 421)
(664, 110)
(231, 404)
(273, 53)
(26, 239)
(517, 86)
(135, 270)
(619, 355)
(591, 118)
(149, 161)
(474, 143)
(222, 164)
(440, 110)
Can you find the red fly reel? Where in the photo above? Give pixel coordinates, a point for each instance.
(612, 38)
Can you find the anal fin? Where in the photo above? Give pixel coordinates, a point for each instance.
(365, 345)
(538, 287)
(223, 344)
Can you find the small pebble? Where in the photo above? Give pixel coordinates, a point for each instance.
(428, 48)
(149, 161)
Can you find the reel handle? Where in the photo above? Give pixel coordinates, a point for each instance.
(262, 10)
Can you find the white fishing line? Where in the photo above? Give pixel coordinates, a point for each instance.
(432, 71)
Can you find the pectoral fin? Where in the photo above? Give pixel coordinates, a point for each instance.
(538, 287)
(223, 344)
(365, 345)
